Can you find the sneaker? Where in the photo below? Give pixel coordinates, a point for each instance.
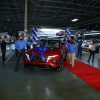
(5, 62)
(28, 57)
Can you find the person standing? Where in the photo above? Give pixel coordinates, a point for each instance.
(29, 45)
(3, 50)
(99, 52)
(17, 38)
(72, 51)
(79, 47)
(20, 48)
(92, 52)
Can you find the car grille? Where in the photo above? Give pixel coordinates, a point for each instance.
(37, 59)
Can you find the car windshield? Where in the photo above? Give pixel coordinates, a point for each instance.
(50, 43)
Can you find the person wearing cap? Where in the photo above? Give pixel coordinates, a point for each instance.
(20, 45)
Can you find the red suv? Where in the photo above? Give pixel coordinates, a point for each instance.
(49, 54)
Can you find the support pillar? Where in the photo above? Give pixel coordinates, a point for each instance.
(25, 16)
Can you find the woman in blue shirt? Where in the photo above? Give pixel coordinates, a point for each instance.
(72, 51)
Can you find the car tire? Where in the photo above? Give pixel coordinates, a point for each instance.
(61, 67)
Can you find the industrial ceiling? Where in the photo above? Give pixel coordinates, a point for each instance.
(50, 14)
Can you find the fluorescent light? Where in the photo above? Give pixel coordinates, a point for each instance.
(94, 31)
(74, 20)
(50, 30)
(93, 34)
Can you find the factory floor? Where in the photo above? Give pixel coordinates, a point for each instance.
(43, 84)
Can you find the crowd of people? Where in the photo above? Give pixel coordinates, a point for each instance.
(74, 49)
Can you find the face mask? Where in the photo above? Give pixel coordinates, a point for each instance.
(21, 39)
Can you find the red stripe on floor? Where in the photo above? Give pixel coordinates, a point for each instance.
(87, 73)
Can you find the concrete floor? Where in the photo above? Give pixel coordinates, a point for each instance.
(43, 84)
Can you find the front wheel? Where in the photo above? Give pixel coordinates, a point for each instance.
(61, 67)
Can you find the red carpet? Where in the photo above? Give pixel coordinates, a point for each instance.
(87, 73)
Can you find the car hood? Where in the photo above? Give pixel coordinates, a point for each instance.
(51, 52)
(48, 52)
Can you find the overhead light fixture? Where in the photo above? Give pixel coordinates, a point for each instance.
(74, 20)
(50, 30)
(94, 31)
(8, 19)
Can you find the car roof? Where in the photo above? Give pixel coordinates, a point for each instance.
(57, 38)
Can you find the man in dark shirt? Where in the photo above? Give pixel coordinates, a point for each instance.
(79, 53)
(3, 50)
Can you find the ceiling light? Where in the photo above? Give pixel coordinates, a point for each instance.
(74, 20)
(8, 19)
(50, 30)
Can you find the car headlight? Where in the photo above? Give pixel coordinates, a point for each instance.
(50, 57)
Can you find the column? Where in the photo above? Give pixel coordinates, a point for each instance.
(25, 16)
